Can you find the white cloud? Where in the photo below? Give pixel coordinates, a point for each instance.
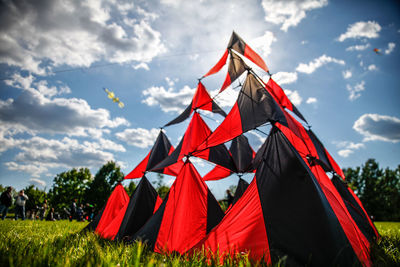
(390, 48)
(36, 181)
(138, 137)
(311, 100)
(347, 148)
(372, 67)
(378, 127)
(75, 33)
(289, 13)
(141, 66)
(285, 77)
(361, 29)
(358, 47)
(36, 111)
(317, 63)
(37, 155)
(168, 99)
(227, 98)
(263, 43)
(355, 91)
(294, 97)
(346, 74)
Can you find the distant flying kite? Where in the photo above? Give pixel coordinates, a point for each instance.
(111, 95)
(377, 50)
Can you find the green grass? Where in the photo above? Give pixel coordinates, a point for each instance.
(41, 243)
(387, 251)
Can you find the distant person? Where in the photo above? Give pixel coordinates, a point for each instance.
(79, 213)
(51, 215)
(89, 212)
(72, 210)
(20, 202)
(5, 202)
(43, 209)
(229, 197)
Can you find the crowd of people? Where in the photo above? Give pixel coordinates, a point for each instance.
(44, 211)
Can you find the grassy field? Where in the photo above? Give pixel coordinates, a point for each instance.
(40, 243)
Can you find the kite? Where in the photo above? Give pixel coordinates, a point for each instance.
(377, 51)
(115, 99)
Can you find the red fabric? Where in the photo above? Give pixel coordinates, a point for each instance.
(115, 203)
(195, 134)
(279, 95)
(253, 56)
(242, 230)
(227, 130)
(217, 173)
(219, 64)
(184, 222)
(202, 99)
(357, 240)
(365, 212)
(226, 83)
(140, 168)
(111, 230)
(173, 169)
(158, 203)
(334, 165)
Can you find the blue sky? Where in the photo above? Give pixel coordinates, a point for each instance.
(56, 56)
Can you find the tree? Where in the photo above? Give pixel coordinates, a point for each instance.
(130, 188)
(36, 197)
(378, 190)
(68, 186)
(103, 183)
(160, 187)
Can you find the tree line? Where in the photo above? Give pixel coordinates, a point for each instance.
(378, 189)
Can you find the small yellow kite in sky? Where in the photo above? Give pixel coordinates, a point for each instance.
(111, 95)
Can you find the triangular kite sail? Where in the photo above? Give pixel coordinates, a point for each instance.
(236, 43)
(277, 92)
(115, 203)
(186, 215)
(284, 212)
(358, 240)
(135, 213)
(160, 150)
(201, 100)
(236, 68)
(253, 108)
(242, 155)
(195, 134)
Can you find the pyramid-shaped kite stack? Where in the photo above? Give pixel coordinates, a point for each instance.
(291, 209)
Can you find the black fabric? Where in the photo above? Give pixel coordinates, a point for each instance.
(139, 210)
(220, 155)
(183, 116)
(93, 224)
(240, 188)
(297, 112)
(323, 159)
(149, 232)
(298, 218)
(236, 43)
(242, 153)
(236, 67)
(354, 209)
(171, 159)
(214, 211)
(159, 152)
(257, 106)
(216, 109)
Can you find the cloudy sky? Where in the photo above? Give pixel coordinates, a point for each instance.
(57, 56)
